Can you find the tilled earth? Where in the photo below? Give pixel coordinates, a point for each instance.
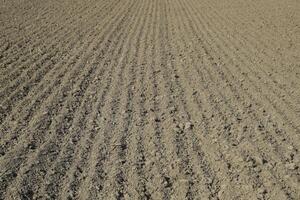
(150, 99)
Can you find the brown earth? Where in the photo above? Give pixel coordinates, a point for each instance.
(160, 99)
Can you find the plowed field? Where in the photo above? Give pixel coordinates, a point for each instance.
(150, 99)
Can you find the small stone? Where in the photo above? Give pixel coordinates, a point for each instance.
(256, 169)
(32, 146)
(180, 125)
(238, 118)
(291, 148)
(251, 161)
(188, 126)
(262, 191)
(2, 153)
(79, 169)
(289, 156)
(178, 130)
(209, 181)
(260, 160)
(260, 127)
(291, 166)
(156, 119)
(173, 109)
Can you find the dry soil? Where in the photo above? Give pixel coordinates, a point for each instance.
(150, 99)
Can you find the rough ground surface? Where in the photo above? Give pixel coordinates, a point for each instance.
(140, 99)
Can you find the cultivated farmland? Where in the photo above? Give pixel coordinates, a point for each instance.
(150, 99)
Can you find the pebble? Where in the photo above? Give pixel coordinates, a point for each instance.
(181, 126)
(291, 166)
(156, 119)
(2, 153)
(260, 160)
(262, 191)
(32, 146)
(173, 109)
(209, 181)
(178, 130)
(188, 126)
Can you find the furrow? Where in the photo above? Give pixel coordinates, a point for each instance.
(237, 57)
(18, 45)
(161, 181)
(192, 163)
(37, 72)
(103, 118)
(117, 161)
(269, 46)
(215, 63)
(127, 125)
(44, 95)
(81, 155)
(223, 96)
(59, 167)
(39, 33)
(161, 99)
(136, 185)
(206, 97)
(246, 51)
(45, 116)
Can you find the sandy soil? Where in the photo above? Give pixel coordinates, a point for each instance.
(160, 99)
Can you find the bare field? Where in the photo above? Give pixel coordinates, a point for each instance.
(150, 99)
